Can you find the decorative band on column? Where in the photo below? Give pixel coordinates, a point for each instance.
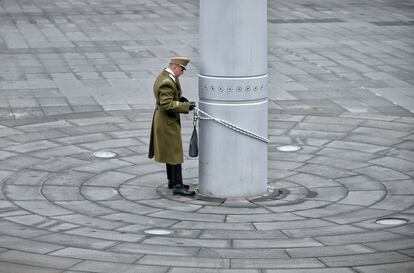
(232, 89)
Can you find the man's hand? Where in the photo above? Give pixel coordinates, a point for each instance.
(192, 105)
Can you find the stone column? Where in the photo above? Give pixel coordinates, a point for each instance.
(233, 87)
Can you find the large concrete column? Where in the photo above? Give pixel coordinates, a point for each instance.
(233, 87)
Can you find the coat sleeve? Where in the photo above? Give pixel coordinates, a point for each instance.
(167, 102)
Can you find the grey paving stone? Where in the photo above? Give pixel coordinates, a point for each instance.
(77, 132)
(363, 198)
(307, 204)
(310, 270)
(68, 178)
(75, 241)
(106, 234)
(4, 155)
(262, 218)
(85, 207)
(187, 242)
(388, 125)
(30, 147)
(44, 126)
(48, 261)
(306, 223)
(275, 243)
(405, 243)
(243, 253)
(213, 226)
(326, 251)
(22, 192)
(361, 183)
(107, 267)
(27, 245)
(395, 202)
(276, 263)
(42, 135)
(321, 231)
(394, 163)
(338, 163)
(180, 261)
(139, 219)
(359, 215)
(363, 237)
(29, 219)
(96, 193)
(373, 140)
(97, 255)
(365, 259)
(346, 154)
(316, 134)
(59, 151)
(185, 216)
(138, 193)
(330, 194)
(357, 146)
(43, 208)
(57, 164)
(102, 166)
(28, 177)
(310, 180)
(382, 132)
(210, 270)
(62, 193)
(127, 206)
(399, 187)
(325, 127)
(325, 171)
(231, 210)
(382, 174)
(165, 250)
(235, 234)
(403, 267)
(6, 131)
(88, 221)
(7, 267)
(18, 230)
(98, 120)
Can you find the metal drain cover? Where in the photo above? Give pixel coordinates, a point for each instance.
(104, 154)
(288, 148)
(392, 221)
(159, 231)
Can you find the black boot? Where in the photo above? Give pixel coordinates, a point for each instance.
(177, 179)
(169, 177)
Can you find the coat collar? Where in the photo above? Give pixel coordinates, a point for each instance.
(171, 74)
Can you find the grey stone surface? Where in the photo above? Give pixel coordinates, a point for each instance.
(77, 76)
(19, 257)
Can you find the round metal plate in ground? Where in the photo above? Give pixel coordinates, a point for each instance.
(392, 221)
(104, 154)
(158, 231)
(288, 148)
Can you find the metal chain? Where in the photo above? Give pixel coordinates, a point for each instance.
(227, 124)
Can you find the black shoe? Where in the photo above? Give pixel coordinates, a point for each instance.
(170, 185)
(182, 190)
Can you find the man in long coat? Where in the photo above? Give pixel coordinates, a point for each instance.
(165, 142)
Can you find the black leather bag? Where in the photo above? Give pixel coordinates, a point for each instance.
(193, 149)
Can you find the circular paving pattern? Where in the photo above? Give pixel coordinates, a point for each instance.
(64, 209)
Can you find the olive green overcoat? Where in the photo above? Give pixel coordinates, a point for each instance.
(165, 140)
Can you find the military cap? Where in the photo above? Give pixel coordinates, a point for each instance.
(181, 61)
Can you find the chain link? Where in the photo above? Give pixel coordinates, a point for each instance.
(227, 124)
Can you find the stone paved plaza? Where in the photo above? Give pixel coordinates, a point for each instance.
(76, 77)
